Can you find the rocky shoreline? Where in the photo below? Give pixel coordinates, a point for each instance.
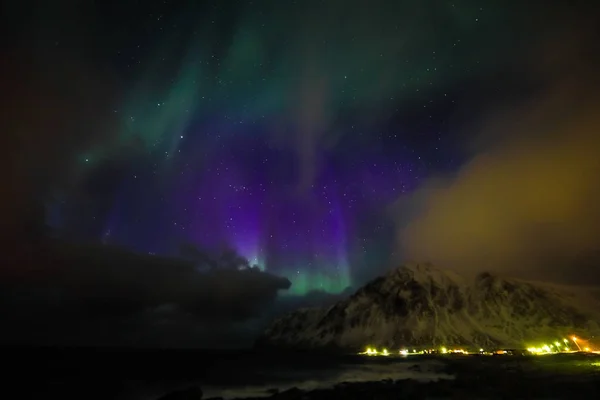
(443, 389)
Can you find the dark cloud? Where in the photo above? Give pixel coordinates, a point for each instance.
(526, 203)
(93, 294)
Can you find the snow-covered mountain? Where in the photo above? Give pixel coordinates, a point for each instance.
(420, 305)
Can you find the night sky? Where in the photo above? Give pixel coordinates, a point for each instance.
(305, 135)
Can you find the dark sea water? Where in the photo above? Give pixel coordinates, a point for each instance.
(148, 374)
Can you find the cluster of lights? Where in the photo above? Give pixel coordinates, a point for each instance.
(372, 351)
(556, 347)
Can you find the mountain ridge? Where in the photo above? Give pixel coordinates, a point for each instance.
(421, 305)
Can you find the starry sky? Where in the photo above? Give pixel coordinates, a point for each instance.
(284, 130)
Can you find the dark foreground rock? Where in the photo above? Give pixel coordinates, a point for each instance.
(445, 389)
(553, 377)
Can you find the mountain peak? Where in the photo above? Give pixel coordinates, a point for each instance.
(425, 273)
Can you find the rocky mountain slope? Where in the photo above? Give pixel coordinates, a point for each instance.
(420, 305)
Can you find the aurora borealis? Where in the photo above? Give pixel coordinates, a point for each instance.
(284, 130)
